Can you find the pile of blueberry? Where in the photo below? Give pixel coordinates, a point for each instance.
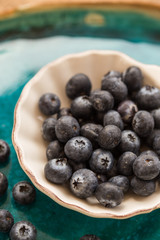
(97, 145)
(23, 193)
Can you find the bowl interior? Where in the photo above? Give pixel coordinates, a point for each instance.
(31, 148)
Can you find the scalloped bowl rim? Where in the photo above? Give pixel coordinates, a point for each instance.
(19, 150)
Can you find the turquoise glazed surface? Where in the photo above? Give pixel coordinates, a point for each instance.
(20, 59)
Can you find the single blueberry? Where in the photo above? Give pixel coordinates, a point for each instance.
(49, 104)
(156, 116)
(141, 187)
(125, 163)
(91, 131)
(143, 123)
(3, 184)
(101, 161)
(58, 170)
(24, 192)
(23, 230)
(133, 78)
(112, 117)
(150, 138)
(83, 183)
(121, 181)
(78, 149)
(48, 129)
(66, 128)
(129, 142)
(78, 85)
(102, 100)
(148, 98)
(76, 166)
(4, 151)
(81, 107)
(109, 137)
(109, 195)
(113, 73)
(55, 150)
(146, 167)
(156, 145)
(90, 237)
(64, 112)
(6, 221)
(116, 87)
(127, 109)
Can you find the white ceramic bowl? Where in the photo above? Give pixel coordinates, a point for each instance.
(31, 148)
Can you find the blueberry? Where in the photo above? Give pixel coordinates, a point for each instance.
(83, 183)
(66, 128)
(81, 107)
(112, 117)
(101, 161)
(127, 109)
(102, 100)
(3, 184)
(55, 150)
(156, 145)
(58, 170)
(24, 192)
(150, 138)
(156, 116)
(129, 142)
(149, 152)
(91, 131)
(113, 73)
(64, 112)
(48, 129)
(23, 230)
(78, 85)
(143, 123)
(121, 181)
(148, 98)
(141, 187)
(101, 178)
(116, 87)
(6, 220)
(109, 137)
(125, 163)
(109, 195)
(78, 149)
(4, 151)
(49, 104)
(76, 166)
(90, 237)
(133, 78)
(146, 167)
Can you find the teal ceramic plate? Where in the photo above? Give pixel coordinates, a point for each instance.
(33, 41)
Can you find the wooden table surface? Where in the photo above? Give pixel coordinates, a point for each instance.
(10, 7)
